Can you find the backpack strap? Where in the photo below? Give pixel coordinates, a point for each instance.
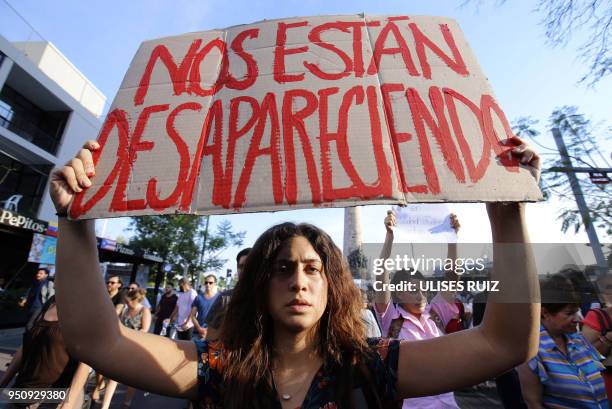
(396, 326)
(605, 323)
(608, 319)
(461, 308)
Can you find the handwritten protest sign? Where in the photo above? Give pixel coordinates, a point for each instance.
(424, 223)
(303, 112)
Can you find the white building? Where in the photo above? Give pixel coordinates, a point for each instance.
(47, 110)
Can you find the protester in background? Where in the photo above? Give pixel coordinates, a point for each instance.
(467, 299)
(372, 327)
(217, 311)
(134, 315)
(447, 311)
(114, 286)
(508, 384)
(43, 361)
(202, 303)
(182, 311)
(164, 308)
(39, 293)
(135, 286)
(566, 372)
(584, 287)
(407, 317)
(597, 328)
(294, 320)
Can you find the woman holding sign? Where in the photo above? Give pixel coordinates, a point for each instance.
(294, 335)
(406, 315)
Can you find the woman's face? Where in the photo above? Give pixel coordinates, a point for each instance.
(298, 286)
(413, 302)
(132, 303)
(563, 322)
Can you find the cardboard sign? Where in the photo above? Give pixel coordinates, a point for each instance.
(304, 112)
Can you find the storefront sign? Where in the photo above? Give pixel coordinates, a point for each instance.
(23, 222)
(124, 250)
(112, 245)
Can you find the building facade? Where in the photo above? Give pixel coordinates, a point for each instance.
(47, 110)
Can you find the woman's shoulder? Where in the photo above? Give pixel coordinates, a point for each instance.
(205, 345)
(382, 346)
(593, 319)
(211, 362)
(382, 365)
(211, 357)
(580, 341)
(384, 354)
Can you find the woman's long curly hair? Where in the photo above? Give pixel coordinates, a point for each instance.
(247, 331)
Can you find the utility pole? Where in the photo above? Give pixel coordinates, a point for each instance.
(353, 237)
(582, 207)
(352, 230)
(203, 250)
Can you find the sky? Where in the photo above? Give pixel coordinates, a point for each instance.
(528, 76)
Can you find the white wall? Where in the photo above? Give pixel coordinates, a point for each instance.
(57, 67)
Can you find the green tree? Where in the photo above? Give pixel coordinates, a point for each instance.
(562, 19)
(184, 241)
(584, 143)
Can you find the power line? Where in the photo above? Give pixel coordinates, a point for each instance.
(23, 19)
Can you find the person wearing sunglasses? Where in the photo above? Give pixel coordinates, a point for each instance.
(113, 286)
(202, 304)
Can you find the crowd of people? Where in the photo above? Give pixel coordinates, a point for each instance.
(44, 361)
(297, 332)
(569, 370)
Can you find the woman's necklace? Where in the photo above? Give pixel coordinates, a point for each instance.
(287, 396)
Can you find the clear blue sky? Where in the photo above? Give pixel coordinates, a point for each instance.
(528, 76)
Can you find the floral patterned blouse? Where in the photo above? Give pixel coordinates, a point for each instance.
(382, 369)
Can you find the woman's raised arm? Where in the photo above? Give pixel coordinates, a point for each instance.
(89, 323)
(508, 335)
(383, 298)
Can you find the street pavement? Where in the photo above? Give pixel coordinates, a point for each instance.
(10, 340)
